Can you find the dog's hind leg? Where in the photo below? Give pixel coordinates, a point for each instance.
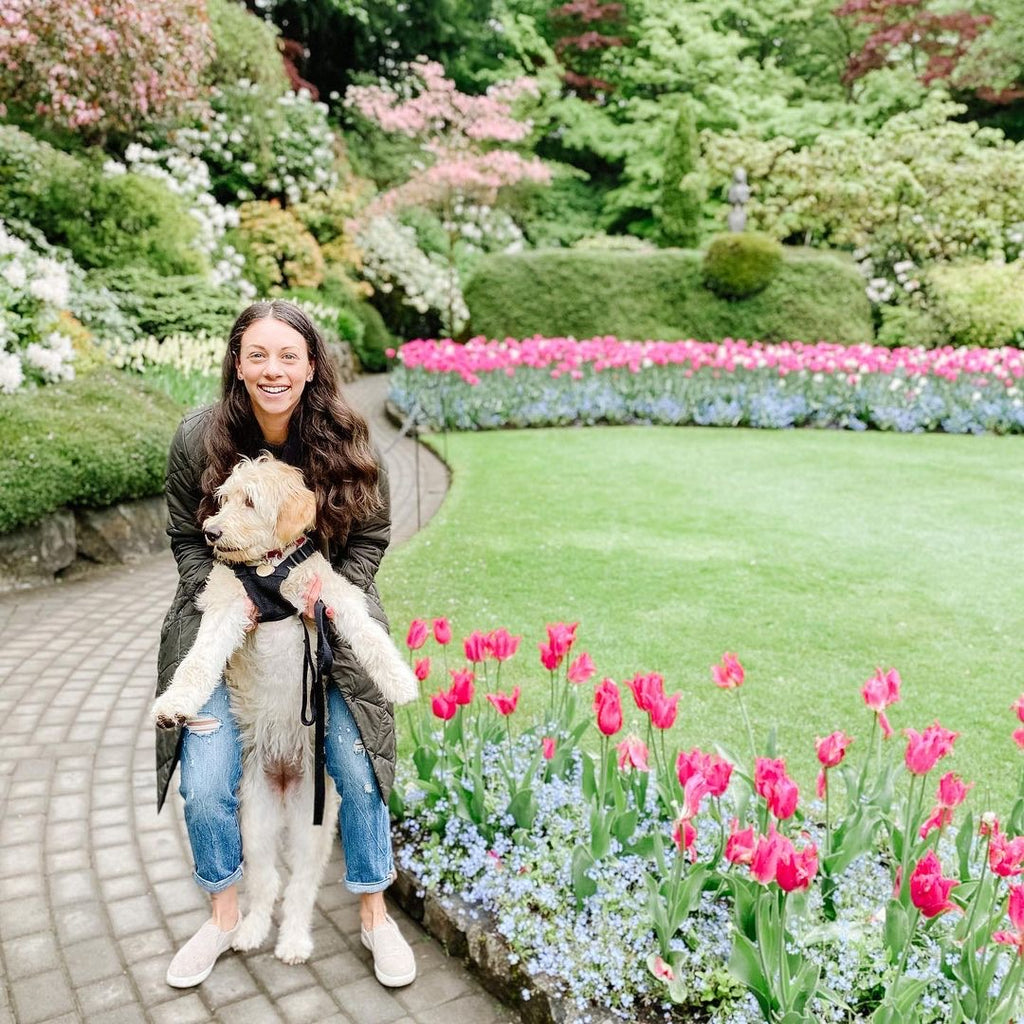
(261, 825)
(309, 850)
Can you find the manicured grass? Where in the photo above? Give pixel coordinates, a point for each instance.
(815, 556)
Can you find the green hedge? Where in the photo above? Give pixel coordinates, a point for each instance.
(89, 443)
(639, 295)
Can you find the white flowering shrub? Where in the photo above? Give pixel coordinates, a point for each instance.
(394, 264)
(34, 291)
(262, 146)
(189, 354)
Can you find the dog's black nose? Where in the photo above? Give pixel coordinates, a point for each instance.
(212, 535)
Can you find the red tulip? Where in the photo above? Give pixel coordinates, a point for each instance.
(548, 658)
(1018, 737)
(832, 749)
(796, 869)
(684, 835)
(714, 769)
(728, 674)
(608, 706)
(778, 789)
(929, 891)
(925, 749)
(475, 647)
(422, 669)
(694, 792)
(633, 753)
(442, 631)
(462, 685)
(765, 860)
(646, 689)
(417, 635)
(581, 669)
(1016, 912)
(663, 711)
(443, 705)
(1018, 706)
(547, 746)
(1005, 855)
(881, 690)
(561, 636)
(740, 846)
(502, 644)
(505, 703)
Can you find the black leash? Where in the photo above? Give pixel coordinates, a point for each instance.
(315, 673)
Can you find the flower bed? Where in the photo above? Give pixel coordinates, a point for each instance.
(664, 884)
(557, 381)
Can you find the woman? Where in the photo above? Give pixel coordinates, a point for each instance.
(280, 394)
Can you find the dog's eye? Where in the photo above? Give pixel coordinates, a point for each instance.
(248, 502)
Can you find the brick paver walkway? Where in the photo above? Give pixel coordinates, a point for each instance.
(95, 889)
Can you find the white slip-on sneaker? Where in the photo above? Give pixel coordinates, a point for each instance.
(393, 961)
(194, 961)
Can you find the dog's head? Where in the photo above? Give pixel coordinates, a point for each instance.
(264, 506)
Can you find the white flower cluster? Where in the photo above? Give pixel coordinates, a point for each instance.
(483, 228)
(392, 261)
(188, 353)
(34, 291)
(189, 177)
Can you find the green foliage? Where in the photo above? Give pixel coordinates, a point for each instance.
(909, 325)
(376, 339)
(278, 251)
(682, 185)
(561, 214)
(246, 48)
(741, 264)
(27, 165)
(161, 306)
(979, 303)
(638, 295)
(91, 442)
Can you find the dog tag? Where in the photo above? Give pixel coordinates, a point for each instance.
(264, 570)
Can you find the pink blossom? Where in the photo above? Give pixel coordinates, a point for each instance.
(581, 669)
(728, 674)
(881, 690)
(632, 753)
(462, 685)
(417, 635)
(442, 631)
(504, 703)
(476, 647)
(422, 669)
(501, 644)
(547, 746)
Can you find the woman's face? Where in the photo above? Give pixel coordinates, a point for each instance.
(274, 364)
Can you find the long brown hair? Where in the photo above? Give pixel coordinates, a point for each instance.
(334, 441)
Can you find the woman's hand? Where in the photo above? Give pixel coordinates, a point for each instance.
(310, 597)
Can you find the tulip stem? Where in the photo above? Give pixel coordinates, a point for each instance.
(828, 819)
(903, 957)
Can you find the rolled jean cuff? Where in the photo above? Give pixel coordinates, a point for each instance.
(215, 887)
(359, 887)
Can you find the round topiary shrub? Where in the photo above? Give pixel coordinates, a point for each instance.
(739, 265)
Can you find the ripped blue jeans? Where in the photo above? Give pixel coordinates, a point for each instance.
(211, 769)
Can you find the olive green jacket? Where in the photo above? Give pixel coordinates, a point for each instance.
(357, 558)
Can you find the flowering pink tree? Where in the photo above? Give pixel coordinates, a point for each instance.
(462, 138)
(102, 69)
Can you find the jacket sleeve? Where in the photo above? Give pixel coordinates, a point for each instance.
(360, 556)
(184, 493)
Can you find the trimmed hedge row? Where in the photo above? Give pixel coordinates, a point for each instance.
(641, 295)
(91, 443)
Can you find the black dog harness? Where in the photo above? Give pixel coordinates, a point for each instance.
(263, 586)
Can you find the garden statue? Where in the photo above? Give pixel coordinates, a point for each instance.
(739, 193)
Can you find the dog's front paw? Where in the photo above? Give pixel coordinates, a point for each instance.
(294, 948)
(251, 932)
(170, 710)
(404, 688)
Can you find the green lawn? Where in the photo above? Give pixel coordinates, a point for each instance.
(815, 556)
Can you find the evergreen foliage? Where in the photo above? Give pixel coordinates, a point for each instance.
(682, 185)
(741, 264)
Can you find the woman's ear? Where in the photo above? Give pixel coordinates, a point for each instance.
(296, 516)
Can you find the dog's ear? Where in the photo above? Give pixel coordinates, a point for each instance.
(298, 514)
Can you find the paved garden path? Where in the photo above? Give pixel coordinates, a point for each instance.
(95, 888)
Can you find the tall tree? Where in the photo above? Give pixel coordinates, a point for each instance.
(682, 187)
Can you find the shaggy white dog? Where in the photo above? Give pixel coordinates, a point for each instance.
(265, 508)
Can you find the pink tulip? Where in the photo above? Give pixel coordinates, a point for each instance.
(663, 711)
(547, 746)
(662, 970)
(1005, 855)
(684, 835)
(503, 702)
(548, 658)
(475, 647)
(646, 689)
(778, 789)
(881, 690)
(728, 674)
(796, 869)
(442, 631)
(462, 685)
(422, 669)
(443, 705)
(417, 635)
(633, 753)
(1018, 737)
(561, 636)
(924, 750)
(765, 860)
(581, 669)
(608, 706)
(952, 790)
(714, 769)
(502, 644)
(929, 891)
(1016, 912)
(1018, 706)
(694, 792)
(741, 845)
(832, 749)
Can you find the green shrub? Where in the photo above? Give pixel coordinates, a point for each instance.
(376, 339)
(908, 325)
(26, 168)
(90, 443)
(162, 306)
(979, 303)
(278, 251)
(815, 295)
(741, 264)
(682, 188)
(246, 48)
